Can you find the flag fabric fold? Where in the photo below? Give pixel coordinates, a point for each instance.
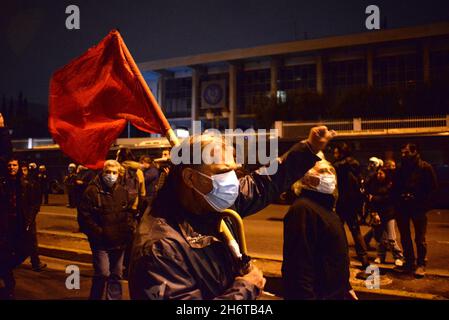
(92, 98)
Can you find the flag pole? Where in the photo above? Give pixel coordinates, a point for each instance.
(164, 124)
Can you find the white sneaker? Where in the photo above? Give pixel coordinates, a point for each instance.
(398, 263)
(420, 272)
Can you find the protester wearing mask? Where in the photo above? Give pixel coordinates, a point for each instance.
(315, 262)
(178, 251)
(414, 184)
(104, 216)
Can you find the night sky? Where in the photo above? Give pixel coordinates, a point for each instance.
(35, 42)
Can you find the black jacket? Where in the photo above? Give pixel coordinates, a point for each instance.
(104, 215)
(179, 256)
(348, 183)
(382, 197)
(316, 262)
(5, 149)
(15, 236)
(415, 182)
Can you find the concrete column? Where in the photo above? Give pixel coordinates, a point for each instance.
(274, 72)
(195, 94)
(426, 62)
(161, 91)
(370, 67)
(319, 75)
(233, 69)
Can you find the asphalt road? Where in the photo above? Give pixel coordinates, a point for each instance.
(264, 240)
(264, 231)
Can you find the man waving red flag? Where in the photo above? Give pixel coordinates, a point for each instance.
(93, 97)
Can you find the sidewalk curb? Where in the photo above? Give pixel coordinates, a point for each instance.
(66, 253)
(401, 294)
(430, 272)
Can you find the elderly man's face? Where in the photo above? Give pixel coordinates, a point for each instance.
(312, 177)
(197, 178)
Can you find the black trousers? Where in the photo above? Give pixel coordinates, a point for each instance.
(44, 198)
(34, 248)
(419, 219)
(349, 216)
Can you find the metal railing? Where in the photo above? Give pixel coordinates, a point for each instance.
(359, 126)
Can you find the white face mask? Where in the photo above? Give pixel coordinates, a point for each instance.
(109, 179)
(225, 190)
(327, 184)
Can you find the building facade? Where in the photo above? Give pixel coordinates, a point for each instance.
(223, 88)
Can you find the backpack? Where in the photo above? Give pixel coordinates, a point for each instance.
(130, 182)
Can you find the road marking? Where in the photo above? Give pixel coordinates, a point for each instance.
(57, 214)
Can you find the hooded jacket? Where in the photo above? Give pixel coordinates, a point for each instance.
(178, 255)
(316, 261)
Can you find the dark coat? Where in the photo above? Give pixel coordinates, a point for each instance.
(414, 185)
(316, 262)
(5, 149)
(348, 183)
(151, 176)
(86, 176)
(179, 256)
(15, 232)
(104, 215)
(382, 200)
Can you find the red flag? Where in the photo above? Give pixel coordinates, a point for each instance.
(93, 97)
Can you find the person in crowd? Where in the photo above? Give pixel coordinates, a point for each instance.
(32, 170)
(133, 180)
(24, 169)
(5, 146)
(374, 163)
(381, 205)
(19, 205)
(104, 216)
(349, 203)
(44, 183)
(82, 179)
(315, 254)
(414, 184)
(151, 175)
(36, 263)
(179, 252)
(69, 183)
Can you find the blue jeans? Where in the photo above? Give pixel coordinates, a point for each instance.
(108, 268)
(385, 235)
